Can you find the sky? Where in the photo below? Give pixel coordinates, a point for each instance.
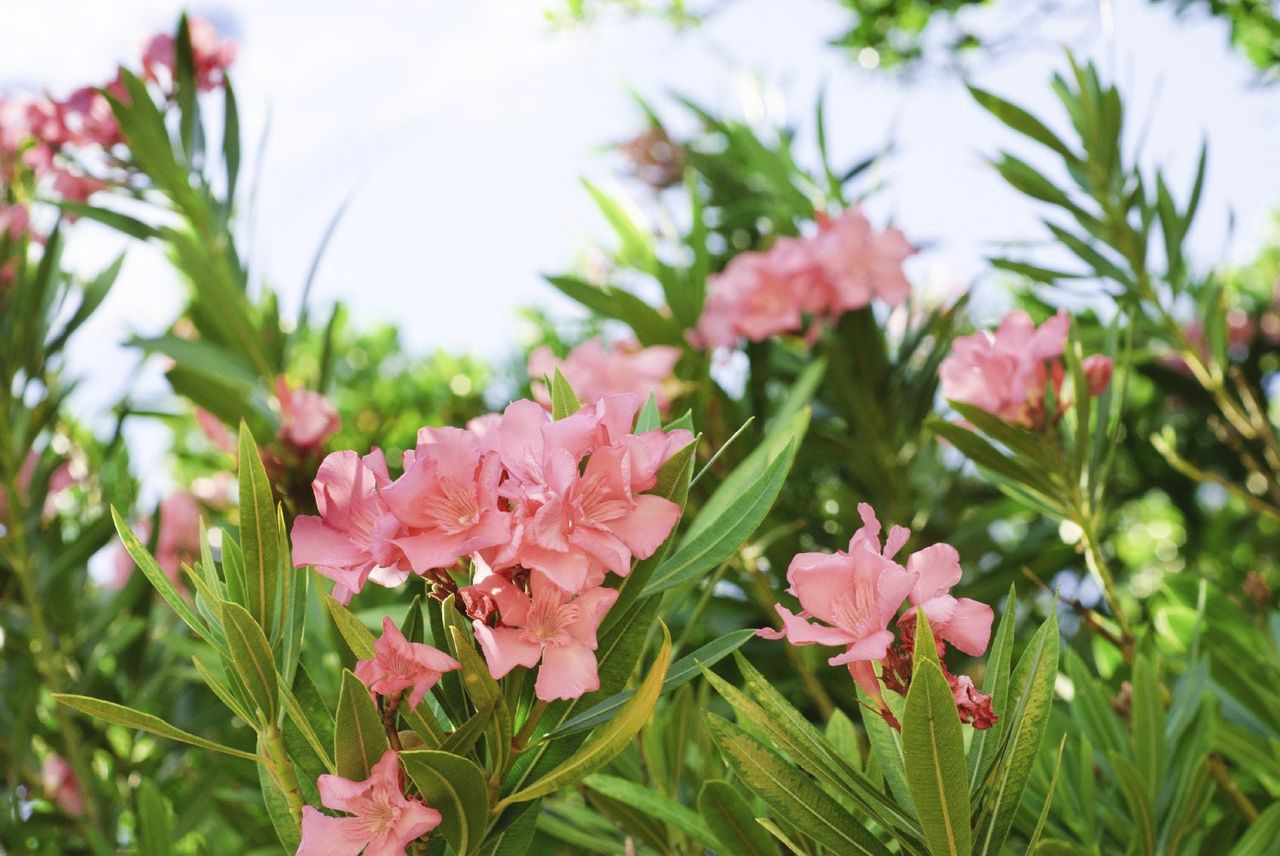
(461, 132)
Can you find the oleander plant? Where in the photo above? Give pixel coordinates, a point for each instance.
(769, 550)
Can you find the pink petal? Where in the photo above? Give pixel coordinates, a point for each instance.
(970, 626)
(331, 836)
(801, 632)
(872, 647)
(567, 672)
(646, 528)
(505, 648)
(315, 543)
(938, 567)
(432, 549)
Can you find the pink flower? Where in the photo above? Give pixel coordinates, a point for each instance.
(307, 418)
(60, 785)
(212, 55)
(553, 627)
(15, 221)
(595, 371)
(859, 264)
(384, 821)
(87, 117)
(353, 539)
(1005, 373)
(447, 499)
(963, 622)
(856, 594)
(73, 186)
(398, 664)
(1097, 372)
(212, 427)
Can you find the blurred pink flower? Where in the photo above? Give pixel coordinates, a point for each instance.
(860, 264)
(353, 539)
(59, 480)
(398, 664)
(447, 499)
(384, 821)
(1097, 371)
(72, 186)
(595, 371)
(60, 785)
(178, 541)
(799, 284)
(212, 427)
(211, 55)
(551, 626)
(15, 221)
(307, 418)
(1005, 373)
(86, 115)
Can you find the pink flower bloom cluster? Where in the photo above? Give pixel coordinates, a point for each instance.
(382, 822)
(801, 282)
(545, 508)
(595, 370)
(850, 599)
(60, 785)
(1007, 372)
(178, 541)
(211, 55)
(399, 664)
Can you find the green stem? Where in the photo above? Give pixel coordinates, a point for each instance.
(530, 723)
(282, 772)
(1097, 565)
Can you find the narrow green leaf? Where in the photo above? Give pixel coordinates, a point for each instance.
(128, 717)
(563, 401)
(155, 822)
(467, 734)
(608, 740)
(1141, 808)
(933, 750)
(258, 534)
(484, 690)
(1021, 121)
(352, 629)
(995, 683)
(732, 820)
(456, 788)
(251, 658)
(358, 739)
(653, 805)
(1146, 720)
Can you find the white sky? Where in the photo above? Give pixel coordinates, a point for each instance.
(464, 128)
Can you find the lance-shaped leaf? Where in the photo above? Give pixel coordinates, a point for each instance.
(352, 629)
(251, 658)
(358, 738)
(732, 820)
(791, 794)
(258, 534)
(608, 740)
(484, 692)
(933, 751)
(995, 683)
(118, 714)
(654, 805)
(456, 788)
(563, 400)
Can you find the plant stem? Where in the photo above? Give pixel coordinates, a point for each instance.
(281, 769)
(1097, 565)
(1218, 769)
(530, 723)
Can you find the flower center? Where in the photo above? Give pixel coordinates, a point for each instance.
(549, 619)
(453, 508)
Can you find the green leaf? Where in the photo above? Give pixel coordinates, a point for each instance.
(635, 243)
(1021, 121)
(158, 578)
(1032, 700)
(282, 820)
(654, 805)
(456, 788)
(1146, 720)
(352, 629)
(608, 740)
(128, 717)
(681, 672)
(790, 793)
(563, 401)
(484, 691)
(358, 738)
(258, 534)
(933, 751)
(728, 531)
(650, 418)
(1142, 819)
(1262, 835)
(467, 734)
(732, 820)
(251, 658)
(995, 683)
(155, 822)
(122, 223)
(649, 325)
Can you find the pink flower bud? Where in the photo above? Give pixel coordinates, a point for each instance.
(1097, 371)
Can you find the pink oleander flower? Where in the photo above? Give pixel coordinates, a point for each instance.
(1097, 373)
(859, 264)
(307, 418)
(963, 622)
(72, 186)
(60, 479)
(384, 820)
(353, 539)
(447, 499)
(595, 371)
(212, 55)
(799, 284)
(177, 543)
(212, 427)
(856, 593)
(60, 785)
(548, 625)
(87, 117)
(1005, 373)
(15, 221)
(399, 664)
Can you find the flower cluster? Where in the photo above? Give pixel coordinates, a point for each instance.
(543, 508)
(65, 144)
(855, 596)
(595, 370)
(1008, 372)
(805, 281)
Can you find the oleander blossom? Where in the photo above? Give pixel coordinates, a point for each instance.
(398, 664)
(211, 55)
(547, 625)
(799, 284)
(595, 370)
(1008, 372)
(849, 600)
(60, 785)
(383, 820)
(353, 538)
(307, 418)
